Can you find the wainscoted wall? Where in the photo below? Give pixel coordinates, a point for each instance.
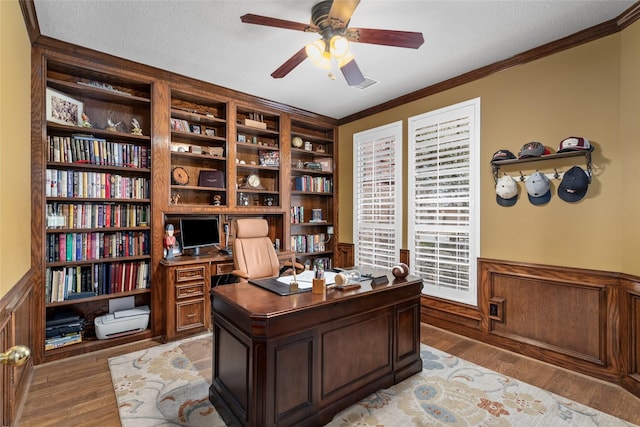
(15, 329)
(630, 333)
(584, 320)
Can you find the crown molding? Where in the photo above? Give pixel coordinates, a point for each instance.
(604, 29)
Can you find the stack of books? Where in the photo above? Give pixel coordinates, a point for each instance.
(63, 330)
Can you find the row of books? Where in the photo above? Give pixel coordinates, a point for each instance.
(99, 185)
(68, 247)
(297, 214)
(65, 283)
(86, 215)
(63, 341)
(308, 243)
(97, 151)
(314, 184)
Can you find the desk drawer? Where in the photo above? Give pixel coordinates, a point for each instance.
(190, 314)
(190, 290)
(225, 268)
(184, 274)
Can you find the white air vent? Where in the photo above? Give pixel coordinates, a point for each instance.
(367, 83)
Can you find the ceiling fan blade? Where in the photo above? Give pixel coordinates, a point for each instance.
(290, 64)
(250, 18)
(352, 73)
(407, 39)
(341, 12)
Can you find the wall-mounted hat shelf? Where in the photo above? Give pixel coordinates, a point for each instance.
(557, 175)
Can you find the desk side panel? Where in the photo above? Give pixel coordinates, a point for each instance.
(356, 351)
(231, 386)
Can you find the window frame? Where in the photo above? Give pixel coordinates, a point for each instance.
(390, 254)
(470, 110)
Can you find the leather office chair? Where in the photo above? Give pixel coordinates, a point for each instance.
(253, 254)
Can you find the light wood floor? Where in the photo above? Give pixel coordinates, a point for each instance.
(78, 391)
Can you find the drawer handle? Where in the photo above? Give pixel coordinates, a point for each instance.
(191, 315)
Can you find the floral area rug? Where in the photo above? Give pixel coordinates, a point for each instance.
(168, 385)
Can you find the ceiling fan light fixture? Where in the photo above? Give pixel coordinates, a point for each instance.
(339, 46)
(330, 19)
(325, 61)
(316, 50)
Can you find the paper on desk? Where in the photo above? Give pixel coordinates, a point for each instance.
(305, 278)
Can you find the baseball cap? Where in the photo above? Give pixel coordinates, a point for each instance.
(574, 185)
(506, 191)
(575, 143)
(538, 188)
(502, 155)
(532, 149)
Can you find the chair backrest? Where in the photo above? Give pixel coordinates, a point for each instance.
(253, 251)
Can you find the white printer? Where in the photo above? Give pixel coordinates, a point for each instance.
(123, 322)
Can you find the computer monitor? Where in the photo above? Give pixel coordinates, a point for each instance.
(199, 232)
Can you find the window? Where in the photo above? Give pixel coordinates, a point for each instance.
(377, 219)
(444, 211)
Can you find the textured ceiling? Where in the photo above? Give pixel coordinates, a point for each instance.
(206, 40)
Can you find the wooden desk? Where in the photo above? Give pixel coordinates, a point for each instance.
(300, 359)
(184, 285)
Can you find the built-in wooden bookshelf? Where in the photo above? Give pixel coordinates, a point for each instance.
(152, 147)
(198, 151)
(257, 159)
(92, 181)
(312, 185)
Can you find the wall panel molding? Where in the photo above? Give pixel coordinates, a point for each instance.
(583, 320)
(16, 312)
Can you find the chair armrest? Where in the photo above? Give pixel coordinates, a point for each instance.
(240, 273)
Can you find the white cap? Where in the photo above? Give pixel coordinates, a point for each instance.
(506, 191)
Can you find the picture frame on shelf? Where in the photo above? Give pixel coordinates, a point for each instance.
(210, 132)
(269, 158)
(326, 165)
(195, 129)
(242, 138)
(63, 109)
(178, 125)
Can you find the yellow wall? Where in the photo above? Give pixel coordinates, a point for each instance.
(15, 146)
(574, 92)
(630, 141)
(591, 90)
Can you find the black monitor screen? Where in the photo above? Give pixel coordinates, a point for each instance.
(199, 232)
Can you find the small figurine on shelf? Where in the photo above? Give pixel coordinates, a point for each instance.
(112, 127)
(217, 200)
(86, 123)
(135, 127)
(169, 241)
(175, 198)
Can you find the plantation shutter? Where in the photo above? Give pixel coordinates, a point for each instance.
(377, 175)
(443, 194)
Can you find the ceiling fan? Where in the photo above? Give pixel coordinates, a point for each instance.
(330, 19)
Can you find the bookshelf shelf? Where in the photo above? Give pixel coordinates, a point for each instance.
(97, 298)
